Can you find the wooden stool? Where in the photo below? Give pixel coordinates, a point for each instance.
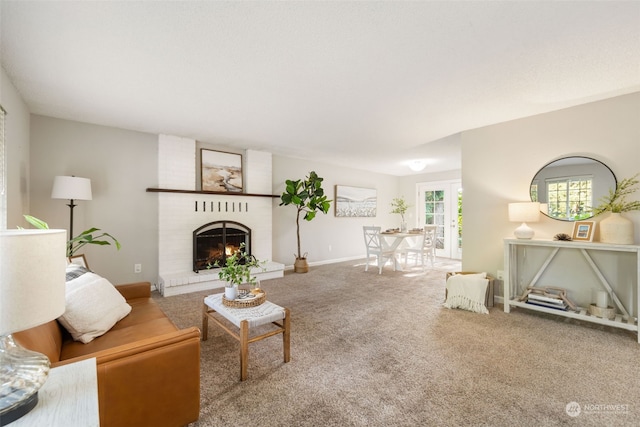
(244, 318)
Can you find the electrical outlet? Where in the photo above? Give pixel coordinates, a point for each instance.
(500, 275)
(137, 268)
(329, 248)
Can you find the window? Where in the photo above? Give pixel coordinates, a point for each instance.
(570, 198)
(434, 213)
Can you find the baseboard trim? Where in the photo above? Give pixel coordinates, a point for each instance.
(328, 261)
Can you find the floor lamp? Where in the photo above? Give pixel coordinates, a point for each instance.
(71, 188)
(32, 292)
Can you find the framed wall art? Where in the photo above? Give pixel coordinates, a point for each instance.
(355, 201)
(583, 231)
(221, 171)
(79, 260)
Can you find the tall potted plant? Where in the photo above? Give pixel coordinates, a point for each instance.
(307, 196)
(616, 228)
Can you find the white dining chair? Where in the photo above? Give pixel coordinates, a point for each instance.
(376, 246)
(425, 249)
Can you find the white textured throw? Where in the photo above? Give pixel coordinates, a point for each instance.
(264, 313)
(467, 291)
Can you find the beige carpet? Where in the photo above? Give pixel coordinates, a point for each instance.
(380, 350)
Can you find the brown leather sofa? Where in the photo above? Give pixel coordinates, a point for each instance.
(148, 370)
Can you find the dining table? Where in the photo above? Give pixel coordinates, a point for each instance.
(395, 241)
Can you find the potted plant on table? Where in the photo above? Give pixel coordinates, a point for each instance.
(236, 271)
(400, 206)
(307, 196)
(616, 228)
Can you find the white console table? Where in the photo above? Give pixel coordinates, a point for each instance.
(613, 268)
(68, 398)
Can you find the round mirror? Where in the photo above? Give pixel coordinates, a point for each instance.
(569, 188)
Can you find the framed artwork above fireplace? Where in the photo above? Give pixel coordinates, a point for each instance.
(221, 171)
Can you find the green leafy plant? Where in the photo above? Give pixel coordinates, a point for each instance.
(237, 268)
(84, 238)
(616, 201)
(308, 198)
(399, 206)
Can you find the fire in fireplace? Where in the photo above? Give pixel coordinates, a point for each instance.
(215, 241)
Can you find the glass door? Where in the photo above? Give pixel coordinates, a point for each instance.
(440, 204)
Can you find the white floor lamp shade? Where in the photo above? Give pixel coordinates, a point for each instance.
(71, 188)
(32, 292)
(524, 212)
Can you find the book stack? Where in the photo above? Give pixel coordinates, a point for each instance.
(547, 301)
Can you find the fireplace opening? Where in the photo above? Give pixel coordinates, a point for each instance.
(215, 241)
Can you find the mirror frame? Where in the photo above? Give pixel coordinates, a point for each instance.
(615, 182)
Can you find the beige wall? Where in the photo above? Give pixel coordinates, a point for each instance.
(121, 165)
(16, 135)
(343, 235)
(498, 163)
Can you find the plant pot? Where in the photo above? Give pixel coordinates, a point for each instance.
(301, 266)
(616, 229)
(230, 292)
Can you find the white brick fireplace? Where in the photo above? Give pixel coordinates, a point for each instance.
(181, 213)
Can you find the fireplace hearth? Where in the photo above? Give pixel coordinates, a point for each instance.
(215, 241)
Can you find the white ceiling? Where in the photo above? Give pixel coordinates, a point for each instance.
(362, 84)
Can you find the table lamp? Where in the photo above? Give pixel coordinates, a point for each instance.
(32, 292)
(72, 188)
(524, 212)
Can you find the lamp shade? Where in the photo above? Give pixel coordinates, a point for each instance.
(524, 212)
(71, 187)
(32, 278)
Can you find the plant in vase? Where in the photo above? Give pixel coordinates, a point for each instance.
(400, 206)
(616, 228)
(237, 270)
(307, 196)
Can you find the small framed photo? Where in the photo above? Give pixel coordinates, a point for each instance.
(221, 171)
(583, 231)
(79, 260)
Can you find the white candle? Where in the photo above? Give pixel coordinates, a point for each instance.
(602, 300)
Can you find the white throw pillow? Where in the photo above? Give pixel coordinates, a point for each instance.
(93, 306)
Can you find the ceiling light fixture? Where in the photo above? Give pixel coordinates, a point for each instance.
(417, 165)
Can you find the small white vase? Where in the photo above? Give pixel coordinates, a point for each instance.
(230, 292)
(616, 229)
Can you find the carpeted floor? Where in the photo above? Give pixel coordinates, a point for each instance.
(380, 350)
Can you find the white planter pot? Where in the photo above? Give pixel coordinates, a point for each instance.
(616, 229)
(230, 292)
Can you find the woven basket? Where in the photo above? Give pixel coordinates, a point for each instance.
(245, 303)
(605, 313)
